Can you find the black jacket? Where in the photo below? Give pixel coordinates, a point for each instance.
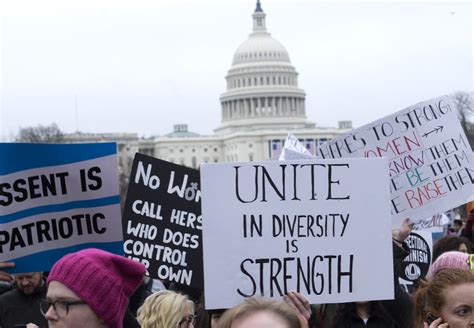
(396, 313)
(17, 308)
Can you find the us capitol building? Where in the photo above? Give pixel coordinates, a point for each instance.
(261, 105)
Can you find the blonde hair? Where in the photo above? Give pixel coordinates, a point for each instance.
(163, 310)
(255, 305)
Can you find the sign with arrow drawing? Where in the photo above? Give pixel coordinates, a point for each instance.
(430, 159)
(436, 130)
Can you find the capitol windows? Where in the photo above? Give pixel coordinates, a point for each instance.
(181, 150)
(261, 80)
(268, 80)
(273, 79)
(255, 80)
(194, 162)
(243, 82)
(250, 157)
(215, 150)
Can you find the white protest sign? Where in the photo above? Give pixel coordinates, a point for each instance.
(320, 227)
(294, 149)
(430, 160)
(432, 224)
(57, 199)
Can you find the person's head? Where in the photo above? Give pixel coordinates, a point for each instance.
(90, 288)
(214, 316)
(450, 243)
(457, 225)
(166, 309)
(453, 259)
(260, 313)
(29, 283)
(448, 295)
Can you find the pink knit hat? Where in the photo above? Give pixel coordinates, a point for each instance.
(103, 280)
(453, 259)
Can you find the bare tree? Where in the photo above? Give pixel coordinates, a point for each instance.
(41, 134)
(465, 105)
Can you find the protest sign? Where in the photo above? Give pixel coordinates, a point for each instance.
(320, 227)
(294, 149)
(430, 160)
(416, 265)
(162, 220)
(56, 199)
(434, 223)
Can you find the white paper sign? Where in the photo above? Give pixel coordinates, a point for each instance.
(320, 227)
(294, 149)
(430, 160)
(433, 223)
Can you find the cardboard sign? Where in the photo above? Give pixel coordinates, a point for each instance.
(57, 199)
(273, 227)
(162, 220)
(431, 163)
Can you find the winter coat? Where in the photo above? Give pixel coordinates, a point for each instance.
(17, 308)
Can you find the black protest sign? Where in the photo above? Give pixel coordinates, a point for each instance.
(162, 220)
(417, 263)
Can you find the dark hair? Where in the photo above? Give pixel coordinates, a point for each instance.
(457, 221)
(449, 243)
(429, 298)
(346, 311)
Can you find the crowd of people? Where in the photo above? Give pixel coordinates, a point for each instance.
(96, 289)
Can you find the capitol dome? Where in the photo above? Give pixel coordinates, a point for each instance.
(262, 85)
(260, 47)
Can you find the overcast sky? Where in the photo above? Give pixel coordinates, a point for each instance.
(142, 66)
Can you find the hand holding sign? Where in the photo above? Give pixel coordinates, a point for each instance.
(300, 303)
(400, 234)
(5, 276)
